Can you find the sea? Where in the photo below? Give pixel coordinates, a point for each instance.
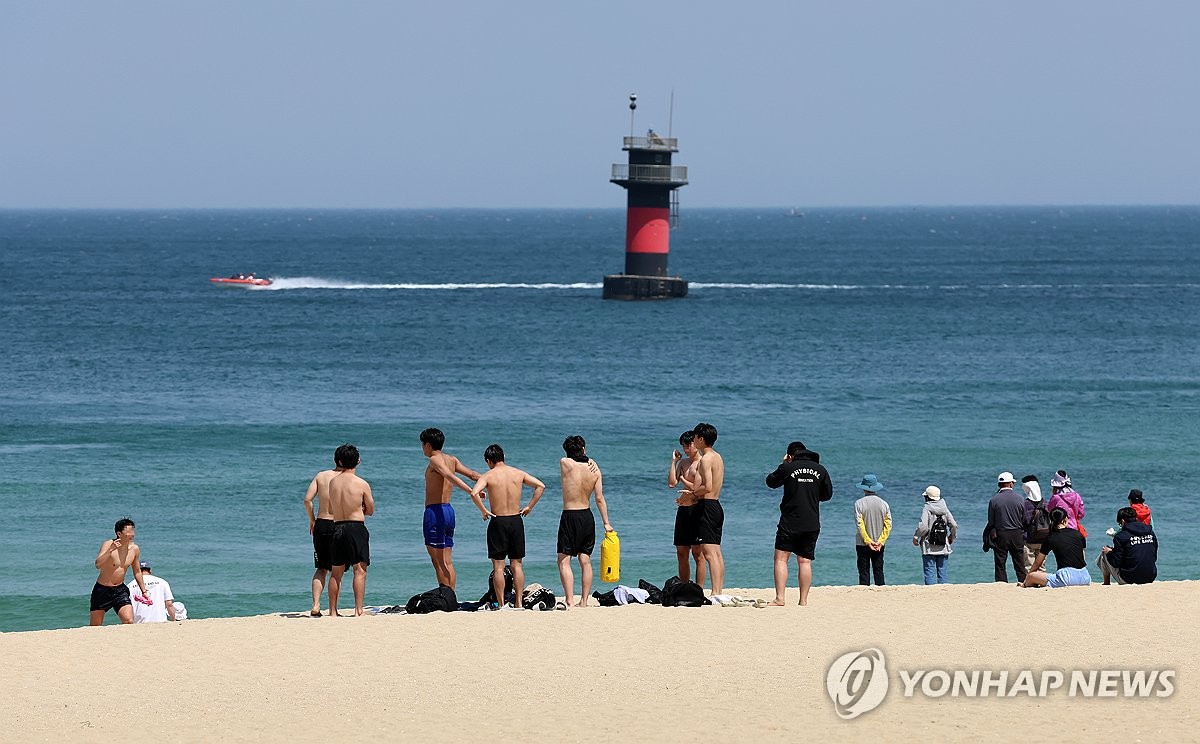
(923, 345)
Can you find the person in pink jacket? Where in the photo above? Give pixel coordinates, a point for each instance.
(1068, 500)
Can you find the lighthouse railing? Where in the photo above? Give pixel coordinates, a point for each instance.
(649, 173)
(669, 144)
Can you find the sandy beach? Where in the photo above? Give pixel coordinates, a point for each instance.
(628, 673)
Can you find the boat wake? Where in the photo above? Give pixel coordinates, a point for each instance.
(312, 282)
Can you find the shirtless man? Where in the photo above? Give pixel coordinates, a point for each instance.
(506, 531)
(438, 523)
(683, 471)
(710, 517)
(115, 557)
(351, 502)
(320, 526)
(581, 478)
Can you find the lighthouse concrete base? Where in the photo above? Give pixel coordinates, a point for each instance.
(632, 287)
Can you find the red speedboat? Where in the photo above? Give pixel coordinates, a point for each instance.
(241, 280)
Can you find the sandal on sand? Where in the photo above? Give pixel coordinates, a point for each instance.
(560, 604)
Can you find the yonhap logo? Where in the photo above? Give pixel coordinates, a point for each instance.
(857, 682)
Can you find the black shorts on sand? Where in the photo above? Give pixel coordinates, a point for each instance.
(803, 544)
(351, 544)
(710, 522)
(576, 532)
(323, 544)
(685, 526)
(506, 538)
(105, 598)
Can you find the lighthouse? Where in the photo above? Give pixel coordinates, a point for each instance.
(650, 181)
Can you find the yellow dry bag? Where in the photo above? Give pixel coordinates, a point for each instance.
(610, 558)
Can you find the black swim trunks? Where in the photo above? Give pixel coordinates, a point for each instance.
(351, 544)
(576, 532)
(105, 598)
(710, 522)
(803, 544)
(323, 544)
(506, 538)
(685, 526)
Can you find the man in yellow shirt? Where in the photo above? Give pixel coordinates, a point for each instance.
(874, 518)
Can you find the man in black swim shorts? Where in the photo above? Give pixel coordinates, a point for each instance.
(805, 485)
(506, 532)
(581, 478)
(117, 556)
(352, 502)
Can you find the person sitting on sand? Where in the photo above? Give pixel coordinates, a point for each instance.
(805, 484)
(437, 523)
(874, 519)
(581, 478)
(935, 543)
(506, 531)
(1067, 545)
(1133, 557)
(162, 607)
(116, 556)
(683, 472)
(352, 502)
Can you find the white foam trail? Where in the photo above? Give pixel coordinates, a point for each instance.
(310, 282)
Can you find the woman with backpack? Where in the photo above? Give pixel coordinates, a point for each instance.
(935, 534)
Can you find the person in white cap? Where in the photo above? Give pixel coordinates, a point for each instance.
(1005, 530)
(935, 534)
(1037, 519)
(158, 590)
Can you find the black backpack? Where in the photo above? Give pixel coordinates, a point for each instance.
(441, 599)
(510, 594)
(939, 533)
(1039, 524)
(679, 593)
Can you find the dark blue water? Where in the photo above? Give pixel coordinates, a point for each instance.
(925, 345)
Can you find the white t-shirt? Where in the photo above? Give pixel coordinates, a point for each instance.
(160, 592)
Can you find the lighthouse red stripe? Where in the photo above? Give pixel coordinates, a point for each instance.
(647, 230)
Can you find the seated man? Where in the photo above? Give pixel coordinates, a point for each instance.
(1067, 545)
(1133, 557)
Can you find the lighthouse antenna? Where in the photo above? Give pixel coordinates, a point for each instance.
(671, 114)
(632, 110)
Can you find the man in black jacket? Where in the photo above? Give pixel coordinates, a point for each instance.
(1133, 557)
(805, 485)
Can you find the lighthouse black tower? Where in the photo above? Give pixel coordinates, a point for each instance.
(653, 208)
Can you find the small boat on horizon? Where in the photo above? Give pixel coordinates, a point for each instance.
(241, 280)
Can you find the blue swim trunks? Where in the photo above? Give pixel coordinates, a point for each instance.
(1068, 577)
(438, 526)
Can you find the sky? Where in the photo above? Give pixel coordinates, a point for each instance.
(388, 104)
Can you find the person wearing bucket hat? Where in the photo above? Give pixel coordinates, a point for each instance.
(1066, 498)
(874, 519)
(936, 532)
(1005, 530)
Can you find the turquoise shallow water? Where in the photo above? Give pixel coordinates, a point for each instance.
(925, 345)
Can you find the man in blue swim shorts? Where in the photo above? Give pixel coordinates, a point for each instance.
(441, 476)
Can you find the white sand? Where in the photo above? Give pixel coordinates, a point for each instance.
(624, 674)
